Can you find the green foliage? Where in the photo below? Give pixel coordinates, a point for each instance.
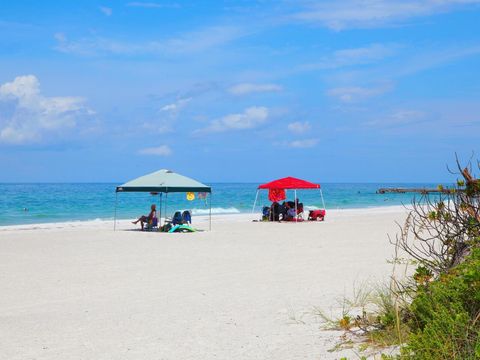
(387, 312)
(445, 321)
(422, 275)
(390, 357)
(388, 336)
(435, 314)
(472, 188)
(432, 215)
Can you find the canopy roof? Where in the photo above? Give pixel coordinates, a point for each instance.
(163, 181)
(289, 183)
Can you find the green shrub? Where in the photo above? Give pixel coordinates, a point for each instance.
(445, 321)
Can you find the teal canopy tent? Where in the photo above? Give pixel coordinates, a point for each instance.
(163, 182)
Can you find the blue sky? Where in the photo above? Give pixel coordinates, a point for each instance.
(350, 91)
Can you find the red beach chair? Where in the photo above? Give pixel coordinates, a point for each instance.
(316, 215)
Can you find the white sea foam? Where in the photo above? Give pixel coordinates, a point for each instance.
(311, 207)
(215, 210)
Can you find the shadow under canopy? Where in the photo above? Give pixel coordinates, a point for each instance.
(163, 182)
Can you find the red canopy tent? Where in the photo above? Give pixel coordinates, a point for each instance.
(289, 183)
(276, 187)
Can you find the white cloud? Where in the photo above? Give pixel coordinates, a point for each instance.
(299, 127)
(60, 37)
(250, 118)
(203, 39)
(430, 59)
(439, 118)
(168, 114)
(151, 5)
(23, 87)
(162, 150)
(97, 46)
(356, 93)
(339, 15)
(365, 55)
(105, 10)
(28, 116)
(385, 74)
(247, 88)
(402, 117)
(176, 106)
(185, 43)
(161, 126)
(303, 144)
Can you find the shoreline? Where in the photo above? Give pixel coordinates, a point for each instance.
(58, 203)
(202, 219)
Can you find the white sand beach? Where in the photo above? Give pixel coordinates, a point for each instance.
(245, 290)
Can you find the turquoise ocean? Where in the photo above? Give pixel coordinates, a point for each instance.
(42, 203)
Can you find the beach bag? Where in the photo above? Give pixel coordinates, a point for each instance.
(166, 227)
(265, 213)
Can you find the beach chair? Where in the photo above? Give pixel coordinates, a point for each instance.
(177, 218)
(186, 217)
(178, 223)
(292, 215)
(316, 215)
(152, 225)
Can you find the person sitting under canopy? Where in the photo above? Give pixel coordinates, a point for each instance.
(287, 210)
(147, 219)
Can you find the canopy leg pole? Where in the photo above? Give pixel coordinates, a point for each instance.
(210, 225)
(115, 214)
(160, 210)
(323, 202)
(296, 200)
(255, 202)
(166, 201)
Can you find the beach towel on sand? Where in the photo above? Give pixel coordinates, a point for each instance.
(181, 228)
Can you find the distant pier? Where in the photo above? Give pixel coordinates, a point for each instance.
(423, 191)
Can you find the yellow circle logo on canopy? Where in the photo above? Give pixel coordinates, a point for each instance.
(190, 196)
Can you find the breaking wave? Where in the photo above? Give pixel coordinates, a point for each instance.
(216, 210)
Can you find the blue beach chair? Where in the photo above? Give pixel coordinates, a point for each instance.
(177, 218)
(186, 217)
